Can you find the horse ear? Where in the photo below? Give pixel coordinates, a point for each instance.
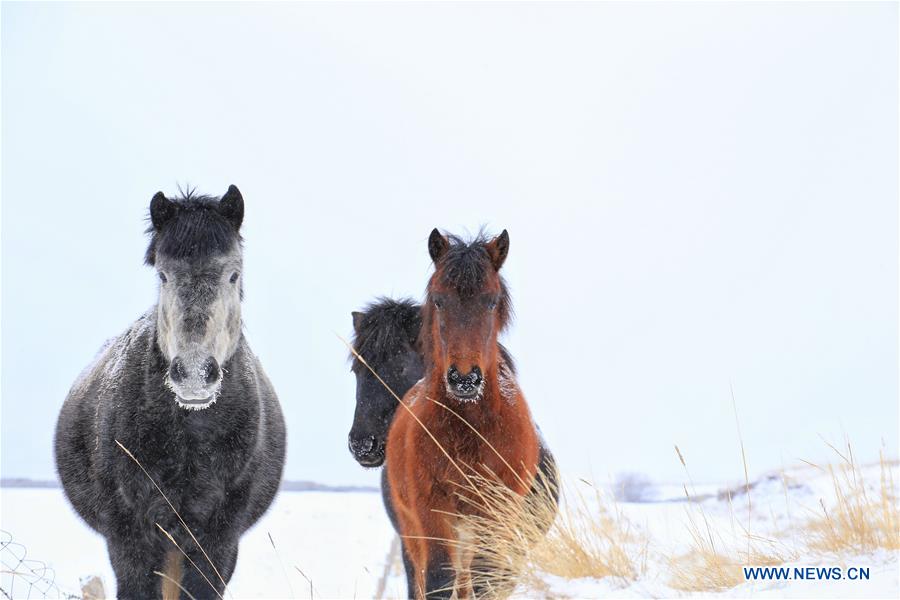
(161, 210)
(498, 248)
(357, 320)
(437, 245)
(231, 206)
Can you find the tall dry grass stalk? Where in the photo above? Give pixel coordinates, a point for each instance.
(715, 559)
(864, 518)
(715, 556)
(518, 541)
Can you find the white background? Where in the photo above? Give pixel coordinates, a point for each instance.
(697, 195)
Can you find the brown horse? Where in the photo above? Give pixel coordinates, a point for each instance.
(430, 449)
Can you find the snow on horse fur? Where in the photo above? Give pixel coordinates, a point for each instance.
(182, 391)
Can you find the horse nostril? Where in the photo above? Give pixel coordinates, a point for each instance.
(211, 368)
(453, 374)
(474, 376)
(362, 445)
(177, 372)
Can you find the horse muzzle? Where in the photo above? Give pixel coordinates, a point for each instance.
(368, 451)
(466, 387)
(196, 383)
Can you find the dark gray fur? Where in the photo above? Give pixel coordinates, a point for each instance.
(220, 466)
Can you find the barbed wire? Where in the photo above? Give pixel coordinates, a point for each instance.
(24, 577)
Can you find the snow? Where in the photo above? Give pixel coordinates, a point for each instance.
(779, 508)
(339, 540)
(344, 543)
(883, 584)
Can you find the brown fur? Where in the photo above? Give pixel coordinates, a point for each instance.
(459, 330)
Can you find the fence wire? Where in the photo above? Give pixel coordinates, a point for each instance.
(24, 577)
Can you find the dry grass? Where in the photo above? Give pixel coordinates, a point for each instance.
(587, 537)
(715, 556)
(864, 518)
(520, 541)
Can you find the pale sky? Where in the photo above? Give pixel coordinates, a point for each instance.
(697, 196)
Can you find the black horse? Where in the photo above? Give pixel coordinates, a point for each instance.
(181, 390)
(385, 335)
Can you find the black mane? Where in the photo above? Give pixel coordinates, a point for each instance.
(197, 230)
(465, 266)
(385, 327)
(388, 326)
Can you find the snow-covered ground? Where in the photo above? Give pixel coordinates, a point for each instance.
(340, 541)
(344, 544)
(780, 509)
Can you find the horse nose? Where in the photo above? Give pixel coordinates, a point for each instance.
(177, 372)
(365, 449)
(212, 370)
(465, 383)
(363, 445)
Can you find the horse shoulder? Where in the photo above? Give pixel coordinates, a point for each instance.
(414, 395)
(506, 379)
(402, 444)
(271, 418)
(395, 465)
(115, 367)
(519, 444)
(527, 429)
(259, 465)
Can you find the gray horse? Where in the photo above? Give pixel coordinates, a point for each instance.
(181, 390)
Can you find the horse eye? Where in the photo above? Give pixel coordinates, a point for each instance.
(234, 277)
(162, 277)
(438, 303)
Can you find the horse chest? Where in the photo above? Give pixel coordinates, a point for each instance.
(194, 467)
(464, 448)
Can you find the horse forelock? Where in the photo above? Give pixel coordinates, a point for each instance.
(197, 230)
(387, 327)
(464, 268)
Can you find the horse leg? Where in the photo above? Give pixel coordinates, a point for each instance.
(440, 577)
(410, 570)
(408, 566)
(492, 582)
(462, 563)
(499, 582)
(133, 564)
(205, 584)
(545, 488)
(440, 555)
